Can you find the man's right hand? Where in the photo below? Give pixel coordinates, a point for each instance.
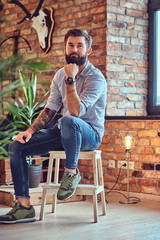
(23, 137)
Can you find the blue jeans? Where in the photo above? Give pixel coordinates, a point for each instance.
(74, 136)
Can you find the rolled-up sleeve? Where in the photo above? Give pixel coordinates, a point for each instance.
(54, 101)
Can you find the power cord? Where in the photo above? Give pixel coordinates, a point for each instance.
(133, 198)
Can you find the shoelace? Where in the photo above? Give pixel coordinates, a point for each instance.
(13, 210)
(66, 181)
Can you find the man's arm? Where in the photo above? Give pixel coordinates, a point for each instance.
(72, 98)
(41, 121)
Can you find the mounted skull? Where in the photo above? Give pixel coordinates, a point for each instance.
(43, 23)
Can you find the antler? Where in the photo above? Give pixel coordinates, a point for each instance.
(37, 9)
(28, 15)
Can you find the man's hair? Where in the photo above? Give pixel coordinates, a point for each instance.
(77, 33)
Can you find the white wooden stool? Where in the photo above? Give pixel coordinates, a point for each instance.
(82, 189)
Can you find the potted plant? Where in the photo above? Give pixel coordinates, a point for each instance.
(24, 110)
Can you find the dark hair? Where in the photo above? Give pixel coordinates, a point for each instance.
(77, 33)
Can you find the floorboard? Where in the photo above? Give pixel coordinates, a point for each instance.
(74, 220)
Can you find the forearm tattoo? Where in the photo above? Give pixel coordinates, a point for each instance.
(43, 119)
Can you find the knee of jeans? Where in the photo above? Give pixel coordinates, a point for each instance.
(13, 146)
(68, 123)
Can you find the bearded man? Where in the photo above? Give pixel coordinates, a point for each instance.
(81, 89)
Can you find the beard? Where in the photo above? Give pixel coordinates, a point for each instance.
(75, 58)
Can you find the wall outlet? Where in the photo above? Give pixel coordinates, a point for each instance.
(111, 164)
(131, 164)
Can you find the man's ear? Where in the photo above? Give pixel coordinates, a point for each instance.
(89, 51)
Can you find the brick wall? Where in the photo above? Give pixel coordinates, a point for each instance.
(126, 62)
(145, 178)
(127, 42)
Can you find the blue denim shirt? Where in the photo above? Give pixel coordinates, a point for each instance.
(91, 89)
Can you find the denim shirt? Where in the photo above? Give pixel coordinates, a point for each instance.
(91, 89)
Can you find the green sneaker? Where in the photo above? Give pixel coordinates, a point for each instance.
(68, 185)
(19, 214)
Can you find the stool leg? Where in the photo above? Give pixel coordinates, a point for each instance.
(101, 183)
(43, 204)
(95, 207)
(56, 176)
(49, 175)
(95, 175)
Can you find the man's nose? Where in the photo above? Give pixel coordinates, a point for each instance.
(75, 49)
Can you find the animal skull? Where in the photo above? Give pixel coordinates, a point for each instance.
(42, 22)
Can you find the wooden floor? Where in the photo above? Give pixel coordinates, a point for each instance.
(74, 220)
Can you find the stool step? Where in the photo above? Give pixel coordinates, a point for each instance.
(82, 189)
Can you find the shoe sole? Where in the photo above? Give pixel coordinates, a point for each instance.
(61, 198)
(19, 220)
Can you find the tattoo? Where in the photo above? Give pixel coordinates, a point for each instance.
(43, 119)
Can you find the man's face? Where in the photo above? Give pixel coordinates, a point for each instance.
(76, 50)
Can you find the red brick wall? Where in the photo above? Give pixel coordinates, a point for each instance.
(127, 47)
(145, 178)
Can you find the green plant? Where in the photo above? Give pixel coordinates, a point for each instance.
(25, 111)
(22, 109)
(30, 161)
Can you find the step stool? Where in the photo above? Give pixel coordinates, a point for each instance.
(82, 189)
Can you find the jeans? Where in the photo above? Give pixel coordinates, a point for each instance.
(74, 135)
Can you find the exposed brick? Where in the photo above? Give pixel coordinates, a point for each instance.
(143, 36)
(155, 141)
(135, 27)
(113, 67)
(129, 48)
(116, 24)
(145, 150)
(125, 105)
(116, 124)
(157, 150)
(115, 9)
(135, 124)
(98, 10)
(128, 5)
(113, 90)
(147, 182)
(135, 113)
(127, 62)
(123, 18)
(131, 97)
(134, 13)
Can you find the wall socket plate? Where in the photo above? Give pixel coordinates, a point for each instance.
(131, 165)
(111, 164)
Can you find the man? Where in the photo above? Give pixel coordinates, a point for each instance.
(81, 88)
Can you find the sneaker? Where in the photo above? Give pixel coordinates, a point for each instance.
(68, 185)
(19, 214)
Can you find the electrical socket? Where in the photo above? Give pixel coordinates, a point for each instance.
(131, 164)
(111, 164)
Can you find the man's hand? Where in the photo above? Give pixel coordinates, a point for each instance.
(71, 70)
(23, 137)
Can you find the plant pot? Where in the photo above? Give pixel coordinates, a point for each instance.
(35, 173)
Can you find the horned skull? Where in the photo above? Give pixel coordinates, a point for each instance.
(42, 22)
(39, 24)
